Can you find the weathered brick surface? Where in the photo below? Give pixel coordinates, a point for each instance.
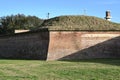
(25, 46)
(59, 45)
(83, 45)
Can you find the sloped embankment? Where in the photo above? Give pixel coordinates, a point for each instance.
(79, 23)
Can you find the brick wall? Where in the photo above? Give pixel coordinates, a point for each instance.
(83, 45)
(60, 45)
(33, 45)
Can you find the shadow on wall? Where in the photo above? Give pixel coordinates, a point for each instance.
(106, 49)
(29, 45)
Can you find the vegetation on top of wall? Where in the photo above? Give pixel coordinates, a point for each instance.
(88, 23)
(79, 23)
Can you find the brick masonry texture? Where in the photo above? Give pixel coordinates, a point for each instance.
(69, 45)
(60, 45)
(25, 46)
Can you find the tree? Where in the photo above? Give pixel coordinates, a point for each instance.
(19, 21)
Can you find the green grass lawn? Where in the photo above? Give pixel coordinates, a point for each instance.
(97, 69)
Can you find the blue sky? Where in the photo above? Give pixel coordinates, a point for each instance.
(40, 8)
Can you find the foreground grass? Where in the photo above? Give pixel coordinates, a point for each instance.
(99, 69)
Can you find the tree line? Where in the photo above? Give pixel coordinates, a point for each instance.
(8, 24)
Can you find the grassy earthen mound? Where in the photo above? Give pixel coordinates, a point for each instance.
(79, 23)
